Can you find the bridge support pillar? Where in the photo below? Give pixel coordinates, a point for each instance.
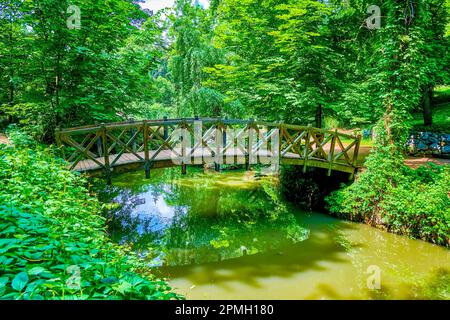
(147, 171)
(108, 176)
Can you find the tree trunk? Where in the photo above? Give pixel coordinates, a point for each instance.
(426, 105)
(319, 112)
(11, 74)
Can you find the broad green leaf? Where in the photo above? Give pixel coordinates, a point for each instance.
(3, 281)
(36, 271)
(20, 281)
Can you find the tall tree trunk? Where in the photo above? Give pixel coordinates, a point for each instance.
(11, 73)
(319, 112)
(426, 105)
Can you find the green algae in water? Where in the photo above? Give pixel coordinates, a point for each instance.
(229, 236)
(201, 217)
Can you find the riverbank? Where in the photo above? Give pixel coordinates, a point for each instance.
(53, 242)
(411, 199)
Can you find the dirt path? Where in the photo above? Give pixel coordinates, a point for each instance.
(412, 162)
(417, 162)
(4, 139)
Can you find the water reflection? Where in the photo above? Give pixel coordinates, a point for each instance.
(229, 235)
(202, 217)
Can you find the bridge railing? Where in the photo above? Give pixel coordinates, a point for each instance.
(104, 146)
(331, 150)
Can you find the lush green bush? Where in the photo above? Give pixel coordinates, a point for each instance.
(403, 200)
(53, 243)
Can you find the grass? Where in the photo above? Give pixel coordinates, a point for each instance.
(365, 142)
(441, 115)
(441, 94)
(440, 111)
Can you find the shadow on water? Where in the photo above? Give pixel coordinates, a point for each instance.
(311, 254)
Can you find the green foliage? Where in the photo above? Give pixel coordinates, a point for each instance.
(190, 53)
(273, 59)
(277, 61)
(52, 75)
(34, 118)
(441, 119)
(53, 242)
(405, 201)
(388, 193)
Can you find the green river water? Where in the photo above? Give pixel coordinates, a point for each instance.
(229, 235)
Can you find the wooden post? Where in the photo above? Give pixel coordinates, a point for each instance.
(146, 151)
(224, 135)
(331, 154)
(58, 136)
(306, 151)
(59, 141)
(355, 156)
(224, 138)
(133, 132)
(356, 153)
(166, 132)
(250, 144)
(218, 151)
(183, 147)
(102, 134)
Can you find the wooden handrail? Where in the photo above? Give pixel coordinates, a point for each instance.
(144, 141)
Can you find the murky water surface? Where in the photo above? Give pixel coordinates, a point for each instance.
(229, 235)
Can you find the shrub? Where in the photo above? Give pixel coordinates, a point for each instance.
(405, 201)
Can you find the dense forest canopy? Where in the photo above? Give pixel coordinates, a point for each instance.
(302, 61)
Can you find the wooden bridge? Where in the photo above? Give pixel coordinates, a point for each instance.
(169, 142)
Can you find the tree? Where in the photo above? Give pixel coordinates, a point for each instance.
(279, 63)
(435, 53)
(191, 52)
(401, 68)
(71, 74)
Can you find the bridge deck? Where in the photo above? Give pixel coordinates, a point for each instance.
(165, 159)
(155, 144)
